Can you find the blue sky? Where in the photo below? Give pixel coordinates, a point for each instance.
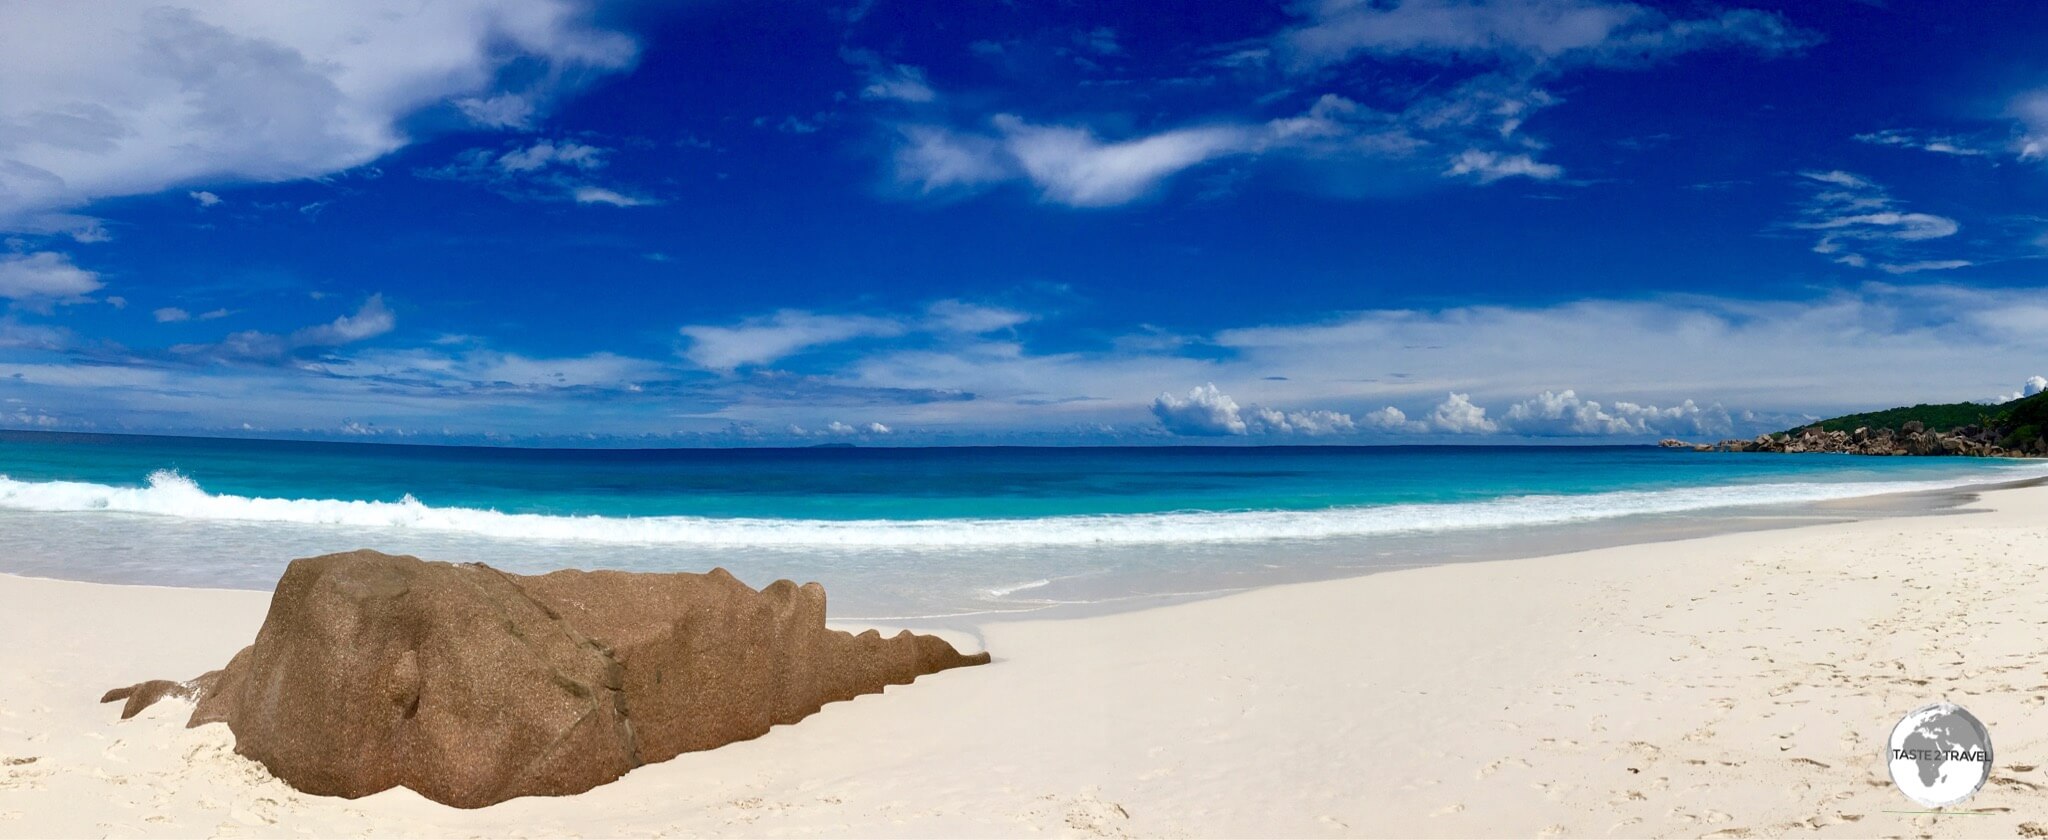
(721, 223)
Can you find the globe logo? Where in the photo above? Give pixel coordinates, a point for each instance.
(1939, 755)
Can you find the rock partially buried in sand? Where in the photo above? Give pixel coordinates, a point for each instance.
(473, 686)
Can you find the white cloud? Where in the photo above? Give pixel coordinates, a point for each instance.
(760, 341)
(1862, 226)
(205, 199)
(2033, 385)
(1458, 415)
(1923, 265)
(600, 195)
(936, 159)
(1204, 412)
(1489, 167)
(547, 153)
(1071, 166)
(1208, 412)
(100, 105)
(901, 82)
(845, 429)
(548, 170)
(1466, 123)
(1391, 419)
(955, 316)
(506, 110)
(1564, 413)
(1539, 31)
(479, 368)
(372, 319)
(1938, 144)
(1312, 423)
(44, 277)
(2032, 111)
(171, 315)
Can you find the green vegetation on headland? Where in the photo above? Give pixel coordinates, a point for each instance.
(2013, 429)
(2018, 424)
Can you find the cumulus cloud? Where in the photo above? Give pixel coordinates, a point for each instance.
(2033, 385)
(171, 315)
(1565, 413)
(1459, 416)
(104, 105)
(1204, 412)
(41, 278)
(205, 199)
(1313, 423)
(1208, 412)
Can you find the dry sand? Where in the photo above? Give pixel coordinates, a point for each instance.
(1736, 685)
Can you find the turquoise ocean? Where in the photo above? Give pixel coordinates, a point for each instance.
(892, 532)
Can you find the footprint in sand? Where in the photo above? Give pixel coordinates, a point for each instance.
(1448, 810)
(1493, 767)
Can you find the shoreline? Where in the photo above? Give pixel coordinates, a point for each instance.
(1733, 684)
(1072, 595)
(1476, 544)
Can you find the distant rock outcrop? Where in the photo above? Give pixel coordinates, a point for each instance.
(473, 686)
(2014, 429)
(1912, 438)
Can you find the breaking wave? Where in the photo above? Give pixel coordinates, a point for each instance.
(170, 494)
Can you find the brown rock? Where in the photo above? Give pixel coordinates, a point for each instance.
(473, 686)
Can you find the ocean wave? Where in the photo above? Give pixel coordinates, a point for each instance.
(170, 494)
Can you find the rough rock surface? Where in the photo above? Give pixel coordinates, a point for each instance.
(473, 686)
(1913, 438)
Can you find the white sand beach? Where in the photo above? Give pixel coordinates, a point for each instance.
(1729, 686)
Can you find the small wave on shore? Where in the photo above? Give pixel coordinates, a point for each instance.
(170, 494)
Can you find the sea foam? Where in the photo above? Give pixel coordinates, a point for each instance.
(169, 494)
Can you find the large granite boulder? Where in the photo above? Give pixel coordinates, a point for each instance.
(473, 686)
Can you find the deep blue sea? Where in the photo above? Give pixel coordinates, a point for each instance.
(892, 532)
